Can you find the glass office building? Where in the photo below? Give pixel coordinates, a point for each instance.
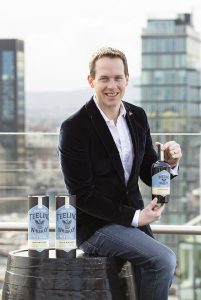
(12, 110)
(171, 74)
(170, 94)
(12, 106)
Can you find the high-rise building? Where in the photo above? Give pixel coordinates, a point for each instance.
(170, 94)
(171, 74)
(12, 112)
(12, 104)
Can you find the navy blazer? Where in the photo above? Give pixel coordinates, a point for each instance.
(93, 171)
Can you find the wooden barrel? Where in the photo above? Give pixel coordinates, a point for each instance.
(87, 278)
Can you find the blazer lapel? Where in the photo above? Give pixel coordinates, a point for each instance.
(104, 133)
(134, 136)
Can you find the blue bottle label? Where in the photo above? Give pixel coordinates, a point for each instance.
(38, 230)
(161, 183)
(66, 228)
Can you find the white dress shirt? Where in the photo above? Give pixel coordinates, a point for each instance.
(122, 138)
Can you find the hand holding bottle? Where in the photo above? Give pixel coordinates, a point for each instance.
(152, 212)
(172, 153)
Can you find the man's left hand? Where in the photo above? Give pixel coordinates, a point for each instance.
(172, 153)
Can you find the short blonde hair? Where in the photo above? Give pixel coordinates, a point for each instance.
(107, 52)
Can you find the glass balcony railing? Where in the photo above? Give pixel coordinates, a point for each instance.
(29, 165)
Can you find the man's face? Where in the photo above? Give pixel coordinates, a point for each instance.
(109, 83)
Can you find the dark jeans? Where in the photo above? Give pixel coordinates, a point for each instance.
(155, 263)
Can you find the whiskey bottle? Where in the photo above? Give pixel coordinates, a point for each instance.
(160, 178)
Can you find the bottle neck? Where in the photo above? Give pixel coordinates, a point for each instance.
(160, 153)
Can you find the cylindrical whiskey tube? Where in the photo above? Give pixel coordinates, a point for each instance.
(65, 226)
(38, 226)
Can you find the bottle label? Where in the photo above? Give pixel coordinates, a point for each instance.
(38, 231)
(161, 183)
(66, 228)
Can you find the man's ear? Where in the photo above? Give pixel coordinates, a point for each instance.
(127, 79)
(90, 81)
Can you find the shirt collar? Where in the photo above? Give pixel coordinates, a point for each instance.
(122, 112)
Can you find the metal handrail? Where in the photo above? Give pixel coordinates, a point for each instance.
(166, 229)
(57, 133)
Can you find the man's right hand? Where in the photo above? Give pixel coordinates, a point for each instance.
(150, 213)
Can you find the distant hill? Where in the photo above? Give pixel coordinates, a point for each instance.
(46, 110)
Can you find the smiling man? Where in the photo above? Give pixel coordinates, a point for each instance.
(104, 148)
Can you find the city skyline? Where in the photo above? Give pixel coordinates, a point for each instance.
(59, 39)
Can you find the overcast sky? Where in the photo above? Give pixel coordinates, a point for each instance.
(61, 35)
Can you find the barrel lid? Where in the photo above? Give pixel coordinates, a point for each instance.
(20, 259)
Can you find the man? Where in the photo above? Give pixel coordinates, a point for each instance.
(104, 148)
